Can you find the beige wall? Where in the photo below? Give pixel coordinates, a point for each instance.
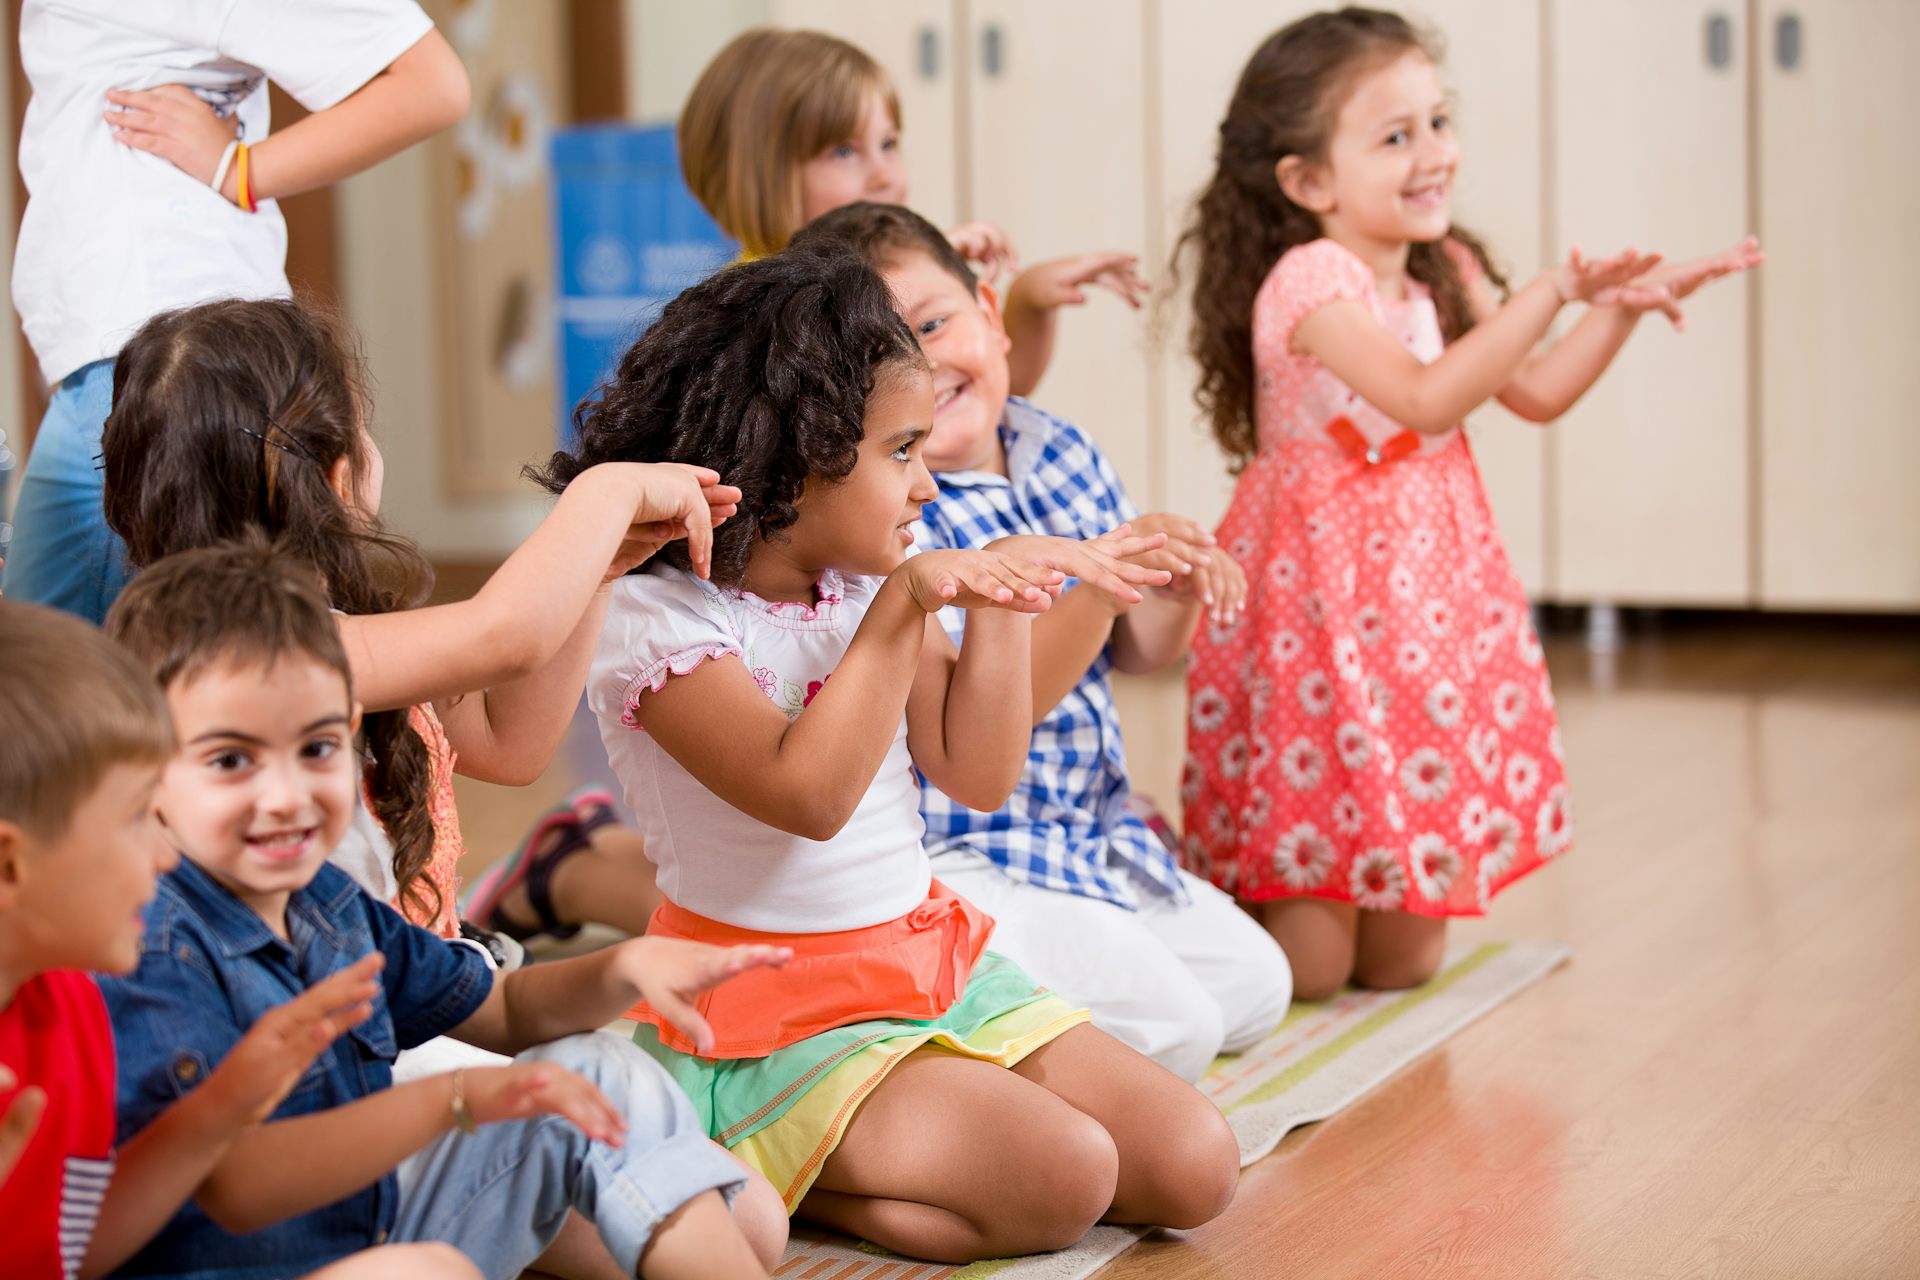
(669, 42)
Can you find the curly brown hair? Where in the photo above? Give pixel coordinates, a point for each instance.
(761, 372)
(1285, 104)
(231, 416)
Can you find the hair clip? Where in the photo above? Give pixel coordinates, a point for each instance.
(286, 445)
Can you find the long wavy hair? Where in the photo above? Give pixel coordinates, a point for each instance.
(231, 416)
(1285, 104)
(761, 372)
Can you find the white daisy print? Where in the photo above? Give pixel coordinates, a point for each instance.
(1260, 756)
(1379, 700)
(1220, 631)
(1473, 820)
(1499, 615)
(1241, 548)
(1426, 775)
(1259, 695)
(1284, 572)
(1316, 529)
(1346, 658)
(1413, 657)
(1259, 809)
(1509, 705)
(1503, 840)
(1553, 826)
(1347, 815)
(1422, 541)
(1209, 710)
(1289, 473)
(1379, 882)
(1523, 775)
(1348, 579)
(1435, 865)
(1221, 827)
(1316, 693)
(1315, 607)
(1303, 857)
(1378, 546)
(1438, 616)
(1400, 581)
(1190, 778)
(1396, 817)
(1285, 647)
(1529, 647)
(1302, 764)
(1483, 751)
(1484, 644)
(1369, 625)
(1354, 744)
(1233, 757)
(1445, 703)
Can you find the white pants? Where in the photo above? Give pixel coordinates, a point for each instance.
(1179, 984)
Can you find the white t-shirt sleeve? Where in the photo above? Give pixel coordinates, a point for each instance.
(659, 625)
(320, 51)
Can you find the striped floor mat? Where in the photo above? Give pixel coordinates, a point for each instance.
(1320, 1059)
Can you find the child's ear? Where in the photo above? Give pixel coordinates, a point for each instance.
(989, 299)
(13, 863)
(1304, 184)
(340, 479)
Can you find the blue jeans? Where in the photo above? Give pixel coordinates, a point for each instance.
(63, 554)
(500, 1195)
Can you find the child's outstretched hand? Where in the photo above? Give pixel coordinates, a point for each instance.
(1201, 571)
(495, 1095)
(256, 1076)
(1061, 282)
(670, 974)
(173, 123)
(979, 580)
(17, 1124)
(1582, 279)
(986, 244)
(1106, 563)
(1662, 288)
(672, 500)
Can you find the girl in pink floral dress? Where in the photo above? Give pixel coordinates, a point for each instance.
(1372, 745)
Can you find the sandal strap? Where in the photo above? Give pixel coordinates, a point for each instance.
(539, 883)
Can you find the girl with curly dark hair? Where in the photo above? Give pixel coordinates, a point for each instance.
(1371, 747)
(236, 414)
(768, 726)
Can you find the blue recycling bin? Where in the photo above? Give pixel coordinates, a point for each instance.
(628, 237)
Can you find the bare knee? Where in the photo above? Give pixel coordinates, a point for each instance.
(1058, 1198)
(1394, 972)
(761, 1217)
(1318, 938)
(1397, 950)
(1196, 1168)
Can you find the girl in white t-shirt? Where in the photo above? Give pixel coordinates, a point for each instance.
(151, 184)
(896, 1080)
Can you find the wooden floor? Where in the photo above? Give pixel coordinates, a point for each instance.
(1726, 1079)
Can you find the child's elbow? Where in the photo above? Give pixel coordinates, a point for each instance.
(444, 93)
(817, 817)
(229, 1212)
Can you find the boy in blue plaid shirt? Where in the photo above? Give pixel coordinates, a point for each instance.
(1086, 896)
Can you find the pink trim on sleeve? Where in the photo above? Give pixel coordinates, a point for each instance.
(1305, 279)
(654, 676)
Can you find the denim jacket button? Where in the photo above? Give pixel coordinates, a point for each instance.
(187, 1069)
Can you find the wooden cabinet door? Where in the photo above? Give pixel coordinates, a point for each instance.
(1839, 377)
(1056, 142)
(1651, 470)
(915, 41)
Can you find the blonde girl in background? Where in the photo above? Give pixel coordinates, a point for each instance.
(1372, 746)
(784, 126)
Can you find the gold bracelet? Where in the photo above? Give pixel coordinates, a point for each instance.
(462, 1118)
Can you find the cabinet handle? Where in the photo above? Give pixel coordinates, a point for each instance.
(929, 53)
(1719, 41)
(1786, 41)
(992, 55)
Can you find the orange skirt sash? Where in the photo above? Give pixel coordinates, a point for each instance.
(914, 968)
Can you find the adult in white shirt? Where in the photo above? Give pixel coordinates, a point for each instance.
(140, 200)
